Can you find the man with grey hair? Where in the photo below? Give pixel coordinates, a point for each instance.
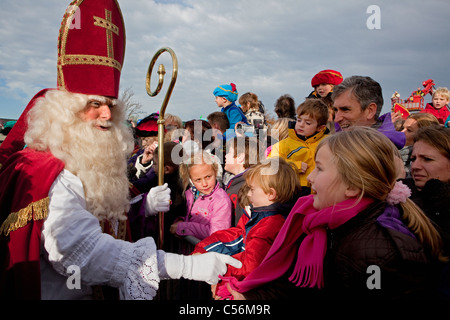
(358, 101)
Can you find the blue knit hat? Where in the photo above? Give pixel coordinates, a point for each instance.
(228, 91)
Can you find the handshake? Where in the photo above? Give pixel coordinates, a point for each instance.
(158, 200)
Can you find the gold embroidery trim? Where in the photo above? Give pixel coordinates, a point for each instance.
(34, 211)
(100, 22)
(76, 59)
(233, 92)
(110, 28)
(333, 73)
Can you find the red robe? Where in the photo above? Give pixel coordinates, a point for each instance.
(26, 178)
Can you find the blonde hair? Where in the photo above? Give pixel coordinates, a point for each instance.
(369, 156)
(248, 146)
(173, 118)
(197, 158)
(275, 173)
(443, 91)
(280, 128)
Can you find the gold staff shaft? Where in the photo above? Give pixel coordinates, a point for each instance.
(161, 121)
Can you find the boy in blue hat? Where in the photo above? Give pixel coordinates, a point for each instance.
(226, 95)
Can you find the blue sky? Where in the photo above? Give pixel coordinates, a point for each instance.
(268, 47)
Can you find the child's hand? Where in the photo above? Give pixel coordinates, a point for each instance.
(396, 116)
(173, 227)
(149, 152)
(213, 291)
(236, 295)
(304, 167)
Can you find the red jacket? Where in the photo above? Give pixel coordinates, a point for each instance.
(250, 240)
(441, 114)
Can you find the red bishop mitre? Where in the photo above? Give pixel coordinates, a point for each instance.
(91, 48)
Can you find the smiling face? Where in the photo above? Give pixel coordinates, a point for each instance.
(99, 111)
(428, 163)
(348, 112)
(326, 181)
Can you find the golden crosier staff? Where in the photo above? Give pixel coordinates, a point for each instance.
(161, 121)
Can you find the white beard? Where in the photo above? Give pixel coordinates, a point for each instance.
(98, 158)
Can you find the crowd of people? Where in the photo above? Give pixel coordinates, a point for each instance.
(388, 175)
(330, 200)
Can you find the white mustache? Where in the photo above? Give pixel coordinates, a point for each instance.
(102, 123)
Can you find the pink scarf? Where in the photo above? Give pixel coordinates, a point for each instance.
(308, 270)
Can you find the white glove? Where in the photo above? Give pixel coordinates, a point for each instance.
(200, 267)
(158, 200)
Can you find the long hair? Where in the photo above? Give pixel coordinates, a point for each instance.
(370, 158)
(97, 158)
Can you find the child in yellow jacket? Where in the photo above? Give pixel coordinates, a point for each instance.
(300, 145)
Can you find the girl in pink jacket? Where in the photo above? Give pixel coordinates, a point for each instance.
(208, 205)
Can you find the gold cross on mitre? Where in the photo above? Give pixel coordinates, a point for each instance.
(110, 29)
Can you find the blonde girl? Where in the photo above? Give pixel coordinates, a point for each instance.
(359, 223)
(208, 205)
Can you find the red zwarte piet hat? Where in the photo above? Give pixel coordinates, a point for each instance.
(327, 76)
(91, 48)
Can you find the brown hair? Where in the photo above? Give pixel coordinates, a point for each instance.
(316, 109)
(251, 98)
(436, 136)
(219, 118)
(285, 107)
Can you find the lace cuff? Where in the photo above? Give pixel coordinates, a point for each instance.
(141, 281)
